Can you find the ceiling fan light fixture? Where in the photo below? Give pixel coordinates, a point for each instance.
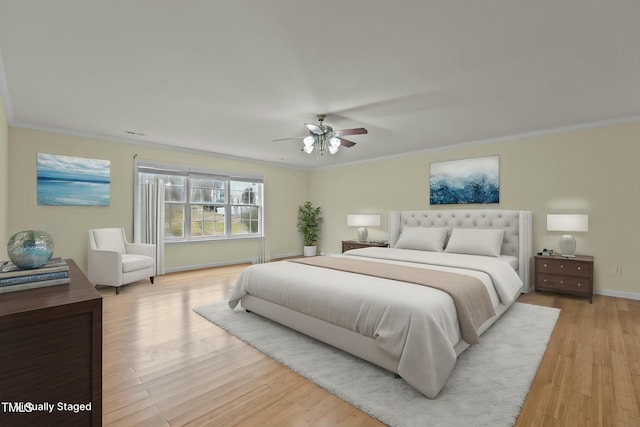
(309, 141)
(323, 138)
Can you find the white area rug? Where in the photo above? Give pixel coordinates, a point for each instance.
(486, 388)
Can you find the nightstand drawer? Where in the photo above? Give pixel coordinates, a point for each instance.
(563, 283)
(347, 245)
(573, 276)
(558, 266)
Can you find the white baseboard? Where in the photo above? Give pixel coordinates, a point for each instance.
(209, 265)
(224, 263)
(617, 294)
(289, 255)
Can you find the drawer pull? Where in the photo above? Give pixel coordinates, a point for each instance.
(579, 284)
(545, 280)
(545, 265)
(579, 268)
(561, 265)
(562, 282)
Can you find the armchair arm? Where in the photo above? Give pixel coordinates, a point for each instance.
(147, 249)
(104, 267)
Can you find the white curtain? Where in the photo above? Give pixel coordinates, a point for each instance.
(152, 219)
(263, 251)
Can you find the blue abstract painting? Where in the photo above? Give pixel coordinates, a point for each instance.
(465, 181)
(73, 181)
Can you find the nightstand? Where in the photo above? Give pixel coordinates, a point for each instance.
(354, 244)
(572, 276)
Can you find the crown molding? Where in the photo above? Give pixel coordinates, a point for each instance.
(513, 137)
(150, 144)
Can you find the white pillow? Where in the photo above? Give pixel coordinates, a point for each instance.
(475, 241)
(422, 238)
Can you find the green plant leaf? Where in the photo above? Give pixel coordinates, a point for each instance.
(309, 219)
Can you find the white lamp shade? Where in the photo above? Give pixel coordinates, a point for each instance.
(363, 220)
(567, 222)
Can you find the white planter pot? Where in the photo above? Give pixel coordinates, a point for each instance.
(310, 250)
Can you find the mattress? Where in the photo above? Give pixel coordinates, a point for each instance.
(416, 325)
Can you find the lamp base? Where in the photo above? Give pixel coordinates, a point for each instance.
(568, 246)
(362, 234)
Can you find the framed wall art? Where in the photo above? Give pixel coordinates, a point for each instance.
(73, 181)
(464, 181)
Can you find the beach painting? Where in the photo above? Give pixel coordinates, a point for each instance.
(73, 181)
(464, 181)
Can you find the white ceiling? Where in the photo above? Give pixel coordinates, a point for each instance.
(229, 76)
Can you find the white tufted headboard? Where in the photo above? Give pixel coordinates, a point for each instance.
(517, 225)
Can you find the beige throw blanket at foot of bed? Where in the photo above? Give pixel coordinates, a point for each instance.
(468, 293)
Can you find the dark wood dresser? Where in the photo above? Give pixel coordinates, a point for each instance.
(51, 355)
(573, 276)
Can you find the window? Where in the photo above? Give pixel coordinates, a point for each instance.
(208, 206)
(204, 205)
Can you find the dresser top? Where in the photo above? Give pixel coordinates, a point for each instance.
(78, 290)
(588, 258)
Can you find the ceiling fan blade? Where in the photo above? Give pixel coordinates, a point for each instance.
(287, 139)
(314, 128)
(346, 142)
(357, 131)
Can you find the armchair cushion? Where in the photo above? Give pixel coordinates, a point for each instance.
(131, 262)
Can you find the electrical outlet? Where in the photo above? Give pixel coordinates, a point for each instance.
(617, 270)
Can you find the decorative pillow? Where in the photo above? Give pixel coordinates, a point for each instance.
(422, 238)
(475, 241)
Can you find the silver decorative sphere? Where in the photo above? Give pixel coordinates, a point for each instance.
(30, 249)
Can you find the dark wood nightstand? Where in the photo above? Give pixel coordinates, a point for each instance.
(354, 244)
(573, 276)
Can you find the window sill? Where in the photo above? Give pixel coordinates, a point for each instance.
(214, 239)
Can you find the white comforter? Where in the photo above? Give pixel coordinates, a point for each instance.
(417, 325)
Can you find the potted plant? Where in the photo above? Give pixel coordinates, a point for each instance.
(309, 226)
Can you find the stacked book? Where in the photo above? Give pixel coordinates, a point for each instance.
(12, 278)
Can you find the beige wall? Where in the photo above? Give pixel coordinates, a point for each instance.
(592, 171)
(589, 171)
(4, 181)
(285, 190)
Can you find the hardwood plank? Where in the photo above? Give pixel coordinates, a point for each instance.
(165, 365)
(586, 376)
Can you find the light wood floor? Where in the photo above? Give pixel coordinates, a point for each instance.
(166, 366)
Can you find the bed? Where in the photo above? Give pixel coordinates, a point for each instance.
(405, 308)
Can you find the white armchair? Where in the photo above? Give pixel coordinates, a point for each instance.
(112, 261)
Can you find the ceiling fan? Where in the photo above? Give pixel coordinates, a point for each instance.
(322, 137)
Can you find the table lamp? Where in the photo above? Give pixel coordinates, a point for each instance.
(567, 223)
(363, 221)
